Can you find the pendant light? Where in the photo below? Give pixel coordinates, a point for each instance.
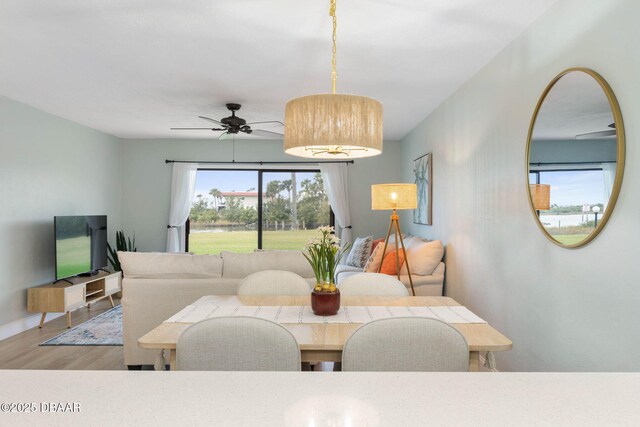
(326, 126)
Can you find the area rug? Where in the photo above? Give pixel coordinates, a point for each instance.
(104, 329)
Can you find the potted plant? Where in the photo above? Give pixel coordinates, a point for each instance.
(324, 254)
(122, 244)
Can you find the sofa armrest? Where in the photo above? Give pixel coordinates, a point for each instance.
(439, 269)
(343, 271)
(439, 272)
(430, 285)
(146, 303)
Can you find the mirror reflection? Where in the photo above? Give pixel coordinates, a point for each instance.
(574, 153)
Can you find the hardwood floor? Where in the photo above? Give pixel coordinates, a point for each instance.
(22, 351)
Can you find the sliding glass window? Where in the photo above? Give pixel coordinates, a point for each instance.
(294, 204)
(230, 214)
(574, 193)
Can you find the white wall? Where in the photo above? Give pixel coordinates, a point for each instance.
(48, 166)
(147, 181)
(571, 310)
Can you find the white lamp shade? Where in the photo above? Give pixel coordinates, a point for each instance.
(394, 196)
(327, 126)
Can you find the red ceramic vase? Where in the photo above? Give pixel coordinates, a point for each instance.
(325, 303)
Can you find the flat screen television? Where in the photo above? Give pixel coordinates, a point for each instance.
(81, 245)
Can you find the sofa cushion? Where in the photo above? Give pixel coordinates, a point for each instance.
(411, 240)
(375, 244)
(423, 257)
(239, 266)
(390, 265)
(375, 259)
(343, 271)
(169, 265)
(360, 252)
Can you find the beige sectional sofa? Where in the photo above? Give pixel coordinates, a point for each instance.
(155, 286)
(428, 285)
(427, 268)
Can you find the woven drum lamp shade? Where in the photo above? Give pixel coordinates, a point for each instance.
(394, 196)
(541, 196)
(327, 126)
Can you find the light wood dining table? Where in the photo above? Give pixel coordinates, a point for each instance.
(323, 342)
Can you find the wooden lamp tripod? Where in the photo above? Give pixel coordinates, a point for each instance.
(395, 196)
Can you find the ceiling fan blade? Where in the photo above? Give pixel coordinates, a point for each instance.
(602, 134)
(278, 122)
(211, 120)
(266, 134)
(196, 129)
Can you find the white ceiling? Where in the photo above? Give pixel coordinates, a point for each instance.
(575, 105)
(135, 68)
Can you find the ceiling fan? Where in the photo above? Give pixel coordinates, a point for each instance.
(601, 134)
(233, 125)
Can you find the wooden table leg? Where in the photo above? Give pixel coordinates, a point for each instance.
(111, 301)
(42, 319)
(172, 359)
(68, 319)
(474, 361)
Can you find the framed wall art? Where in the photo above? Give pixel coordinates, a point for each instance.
(422, 175)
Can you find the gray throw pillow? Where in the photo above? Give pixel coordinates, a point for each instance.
(360, 252)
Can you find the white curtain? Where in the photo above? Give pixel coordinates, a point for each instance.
(609, 174)
(334, 177)
(183, 185)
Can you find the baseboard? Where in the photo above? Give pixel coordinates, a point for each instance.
(13, 328)
(483, 368)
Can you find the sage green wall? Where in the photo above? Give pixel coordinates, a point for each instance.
(576, 150)
(565, 310)
(147, 181)
(48, 166)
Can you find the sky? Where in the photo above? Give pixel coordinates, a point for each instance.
(574, 187)
(227, 181)
(567, 188)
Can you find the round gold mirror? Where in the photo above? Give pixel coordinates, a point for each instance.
(575, 157)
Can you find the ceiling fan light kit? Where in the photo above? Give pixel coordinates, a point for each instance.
(324, 126)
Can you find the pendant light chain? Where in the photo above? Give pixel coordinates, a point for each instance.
(334, 73)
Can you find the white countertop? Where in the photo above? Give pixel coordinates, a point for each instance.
(322, 399)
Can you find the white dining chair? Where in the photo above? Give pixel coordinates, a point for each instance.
(416, 344)
(274, 283)
(372, 284)
(237, 343)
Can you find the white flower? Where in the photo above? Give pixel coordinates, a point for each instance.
(313, 242)
(325, 229)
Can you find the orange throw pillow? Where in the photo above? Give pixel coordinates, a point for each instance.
(389, 265)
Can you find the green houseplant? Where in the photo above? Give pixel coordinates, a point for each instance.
(122, 244)
(324, 254)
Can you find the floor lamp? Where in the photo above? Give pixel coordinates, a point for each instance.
(540, 197)
(394, 197)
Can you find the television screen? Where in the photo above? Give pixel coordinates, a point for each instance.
(81, 244)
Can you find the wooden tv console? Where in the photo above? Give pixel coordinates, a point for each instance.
(67, 295)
